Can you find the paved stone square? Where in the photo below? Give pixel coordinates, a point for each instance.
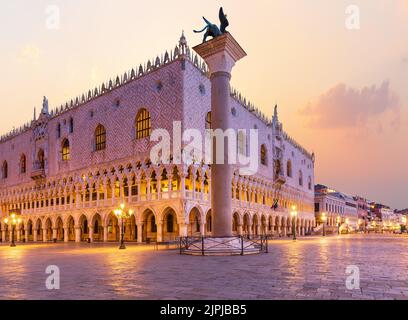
(311, 268)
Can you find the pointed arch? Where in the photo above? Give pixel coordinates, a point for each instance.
(289, 169)
(23, 163)
(264, 155)
(143, 124)
(170, 224)
(4, 170)
(66, 150)
(100, 138)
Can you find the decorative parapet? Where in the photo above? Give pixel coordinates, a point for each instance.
(180, 52)
(298, 146)
(249, 106)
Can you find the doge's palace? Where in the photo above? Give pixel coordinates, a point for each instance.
(68, 169)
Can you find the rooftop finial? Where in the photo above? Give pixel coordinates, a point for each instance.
(45, 106)
(183, 43)
(35, 114)
(182, 38)
(275, 113)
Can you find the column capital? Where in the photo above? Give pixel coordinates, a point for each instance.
(221, 53)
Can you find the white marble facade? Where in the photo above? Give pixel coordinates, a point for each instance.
(68, 169)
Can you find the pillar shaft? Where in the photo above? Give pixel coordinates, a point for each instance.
(221, 173)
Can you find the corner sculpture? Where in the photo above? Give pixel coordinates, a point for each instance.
(212, 30)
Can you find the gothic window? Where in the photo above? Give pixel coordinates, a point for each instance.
(100, 138)
(300, 178)
(170, 223)
(263, 155)
(153, 224)
(65, 150)
(242, 143)
(85, 227)
(94, 193)
(289, 169)
(197, 224)
(209, 223)
(208, 124)
(71, 125)
(310, 183)
(143, 124)
(58, 130)
(23, 164)
(5, 170)
(41, 159)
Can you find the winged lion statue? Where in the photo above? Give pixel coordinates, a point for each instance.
(212, 30)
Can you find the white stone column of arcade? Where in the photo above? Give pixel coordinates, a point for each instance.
(221, 54)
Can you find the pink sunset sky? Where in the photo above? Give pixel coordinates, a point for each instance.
(341, 93)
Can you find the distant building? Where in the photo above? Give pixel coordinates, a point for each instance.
(338, 207)
(383, 212)
(363, 211)
(402, 216)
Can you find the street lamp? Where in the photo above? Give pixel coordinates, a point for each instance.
(13, 220)
(324, 219)
(338, 224)
(294, 213)
(123, 215)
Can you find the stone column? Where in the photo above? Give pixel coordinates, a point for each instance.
(202, 229)
(105, 233)
(105, 193)
(258, 230)
(139, 232)
(35, 235)
(66, 235)
(183, 229)
(221, 54)
(250, 231)
(240, 230)
(45, 234)
(77, 234)
(54, 233)
(91, 229)
(159, 232)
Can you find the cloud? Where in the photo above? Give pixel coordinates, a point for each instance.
(29, 54)
(346, 107)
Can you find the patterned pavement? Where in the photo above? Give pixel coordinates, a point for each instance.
(311, 268)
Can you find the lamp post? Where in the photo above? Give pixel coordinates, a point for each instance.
(338, 225)
(294, 213)
(324, 219)
(13, 220)
(122, 214)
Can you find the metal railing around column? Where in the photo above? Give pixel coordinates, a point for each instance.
(237, 245)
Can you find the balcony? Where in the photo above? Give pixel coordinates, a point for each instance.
(279, 178)
(38, 171)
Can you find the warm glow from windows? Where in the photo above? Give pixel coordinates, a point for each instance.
(143, 124)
